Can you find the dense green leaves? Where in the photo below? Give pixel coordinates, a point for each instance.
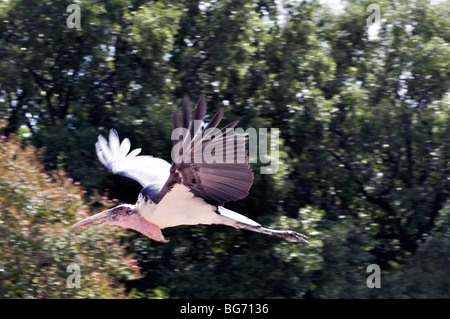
(37, 244)
(364, 128)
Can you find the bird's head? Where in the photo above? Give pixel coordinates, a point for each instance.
(126, 216)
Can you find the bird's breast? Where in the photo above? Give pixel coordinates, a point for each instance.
(180, 207)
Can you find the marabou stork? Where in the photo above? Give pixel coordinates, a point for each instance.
(184, 193)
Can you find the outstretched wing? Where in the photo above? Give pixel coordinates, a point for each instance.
(215, 177)
(146, 170)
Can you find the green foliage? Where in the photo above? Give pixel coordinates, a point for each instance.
(37, 243)
(426, 274)
(364, 128)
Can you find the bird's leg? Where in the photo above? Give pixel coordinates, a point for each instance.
(289, 234)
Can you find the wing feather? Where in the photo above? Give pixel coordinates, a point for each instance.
(125, 147)
(115, 156)
(215, 182)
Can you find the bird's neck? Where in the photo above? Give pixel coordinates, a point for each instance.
(146, 209)
(137, 222)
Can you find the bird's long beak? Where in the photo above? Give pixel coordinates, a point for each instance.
(124, 216)
(109, 216)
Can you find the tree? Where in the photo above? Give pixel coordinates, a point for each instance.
(38, 246)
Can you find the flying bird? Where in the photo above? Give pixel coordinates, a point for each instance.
(188, 191)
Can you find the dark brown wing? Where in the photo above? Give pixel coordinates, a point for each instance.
(216, 177)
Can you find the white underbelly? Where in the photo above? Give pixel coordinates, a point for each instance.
(180, 207)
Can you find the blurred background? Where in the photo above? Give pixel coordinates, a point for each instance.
(362, 103)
